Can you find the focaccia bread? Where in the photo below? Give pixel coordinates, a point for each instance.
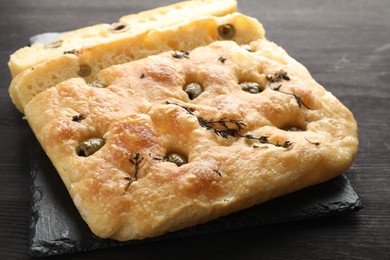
(87, 62)
(181, 138)
(128, 25)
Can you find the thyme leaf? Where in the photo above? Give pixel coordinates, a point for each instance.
(315, 143)
(136, 160)
(130, 180)
(217, 172)
(278, 76)
(78, 118)
(162, 158)
(222, 59)
(226, 133)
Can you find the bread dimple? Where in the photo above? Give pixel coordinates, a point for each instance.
(242, 148)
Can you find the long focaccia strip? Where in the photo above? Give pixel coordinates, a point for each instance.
(87, 62)
(128, 25)
(143, 110)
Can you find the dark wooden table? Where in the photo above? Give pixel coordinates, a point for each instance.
(346, 46)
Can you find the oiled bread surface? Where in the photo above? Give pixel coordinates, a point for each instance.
(144, 110)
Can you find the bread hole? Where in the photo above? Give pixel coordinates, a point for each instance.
(85, 70)
(90, 146)
(252, 81)
(29, 86)
(294, 128)
(118, 27)
(226, 31)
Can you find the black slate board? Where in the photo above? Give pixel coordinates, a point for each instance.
(57, 228)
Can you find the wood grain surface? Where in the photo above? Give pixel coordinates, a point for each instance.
(346, 46)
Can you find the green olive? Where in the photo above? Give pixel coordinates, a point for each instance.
(85, 70)
(251, 87)
(96, 84)
(226, 31)
(90, 146)
(294, 129)
(193, 90)
(175, 158)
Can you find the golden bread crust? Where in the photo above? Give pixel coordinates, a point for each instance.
(144, 110)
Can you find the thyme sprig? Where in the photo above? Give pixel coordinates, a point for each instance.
(221, 128)
(73, 51)
(136, 160)
(265, 140)
(217, 172)
(226, 131)
(286, 144)
(130, 180)
(297, 98)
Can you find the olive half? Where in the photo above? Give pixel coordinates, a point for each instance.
(193, 90)
(251, 87)
(294, 129)
(85, 70)
(175, 158)
(226, 31)
(90, 146)
(96, 84)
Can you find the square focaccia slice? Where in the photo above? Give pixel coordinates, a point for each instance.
(184, 137)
